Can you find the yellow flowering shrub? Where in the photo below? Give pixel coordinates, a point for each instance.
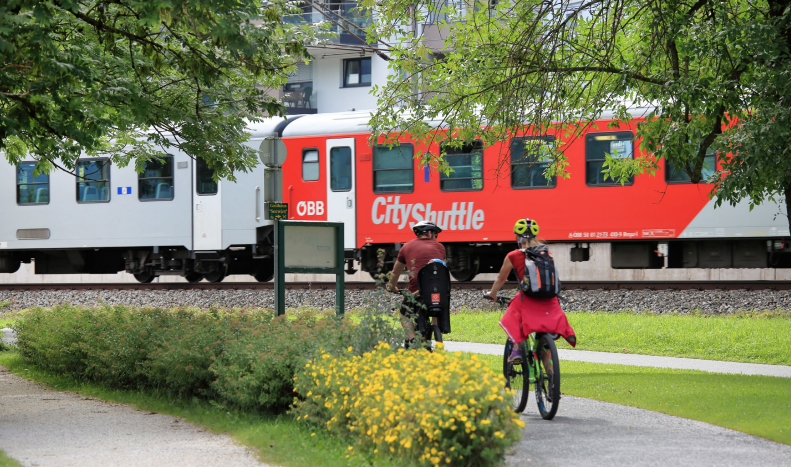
(437, 408)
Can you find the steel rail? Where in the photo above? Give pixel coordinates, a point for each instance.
(567, 285)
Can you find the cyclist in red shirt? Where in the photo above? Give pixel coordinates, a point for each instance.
(525, 314)
(412, 257)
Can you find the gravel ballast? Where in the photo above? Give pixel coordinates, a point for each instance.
(655, 301)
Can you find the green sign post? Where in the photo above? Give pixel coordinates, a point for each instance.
(306, 247)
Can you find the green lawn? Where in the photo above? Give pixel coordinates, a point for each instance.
(279, 440)
(758, 405)
(6, 319)
(6, 461)
(758, 338)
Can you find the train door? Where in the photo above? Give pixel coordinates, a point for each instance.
(340, 187)
(207, 209)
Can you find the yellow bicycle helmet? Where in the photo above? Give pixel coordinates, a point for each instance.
(526, 228)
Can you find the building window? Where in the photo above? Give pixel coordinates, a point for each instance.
(356, 72)
(467, 165)
(205, 176)
(31, 189)
(93, 181)
(310, 165)
(530, 158)
(674, 174)
(341, 169)
(597, 145)
(394, 169)
(156, 181)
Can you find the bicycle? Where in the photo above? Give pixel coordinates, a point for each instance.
(532, 369)
(432, 301)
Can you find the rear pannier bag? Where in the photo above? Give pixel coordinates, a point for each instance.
(541, 278)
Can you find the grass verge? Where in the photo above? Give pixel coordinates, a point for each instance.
(757, 405)
(278, 440)
(6, 461)
(752, 338)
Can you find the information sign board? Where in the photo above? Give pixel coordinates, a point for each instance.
(308, 247)
(277, 211)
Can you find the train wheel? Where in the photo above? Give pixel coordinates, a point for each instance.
(216, 276)
(266, 271)
(463, 275)
(194, 278)
(145, 277)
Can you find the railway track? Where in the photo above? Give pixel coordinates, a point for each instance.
(568, 285)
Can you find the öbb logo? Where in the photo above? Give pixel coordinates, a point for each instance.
(310, 208)
(461, 216)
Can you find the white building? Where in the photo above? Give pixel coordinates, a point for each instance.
(343, 71)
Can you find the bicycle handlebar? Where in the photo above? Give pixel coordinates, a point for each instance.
(500, 299)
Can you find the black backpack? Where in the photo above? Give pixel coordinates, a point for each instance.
(434, 283)
(541, 278)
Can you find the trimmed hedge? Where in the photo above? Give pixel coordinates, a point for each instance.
(246, 358)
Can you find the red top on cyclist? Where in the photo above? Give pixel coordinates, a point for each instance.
(417, 253)
(525, 314)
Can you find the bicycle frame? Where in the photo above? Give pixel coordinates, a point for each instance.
(530, 350)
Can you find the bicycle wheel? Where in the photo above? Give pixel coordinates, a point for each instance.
(517, 377)
(548, 378)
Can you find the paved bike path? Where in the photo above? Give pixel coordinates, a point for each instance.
(592, 433)
(42, 427)
(711, 366)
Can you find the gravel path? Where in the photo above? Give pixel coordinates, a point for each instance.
(592, 433)
(42, 427)
(708, 301)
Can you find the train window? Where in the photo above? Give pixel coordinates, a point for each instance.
(341, 169)
(310, 165)
(205, 177)
(93, 181)
(467, 165)
(675, 174)
(597, 146)
(530, 157)
(394, 169)
(156, 181)
(30, 188)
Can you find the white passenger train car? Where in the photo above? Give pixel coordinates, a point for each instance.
(173, 219)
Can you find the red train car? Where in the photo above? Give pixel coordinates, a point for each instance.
(332, 173)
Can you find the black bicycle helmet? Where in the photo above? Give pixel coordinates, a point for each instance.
(425, 226)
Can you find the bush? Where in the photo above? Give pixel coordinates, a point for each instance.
(256, 369)
(435, 408)
(245, 358)
(181, 351)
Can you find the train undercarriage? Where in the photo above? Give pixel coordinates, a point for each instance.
(147, 263)
(465, 260)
